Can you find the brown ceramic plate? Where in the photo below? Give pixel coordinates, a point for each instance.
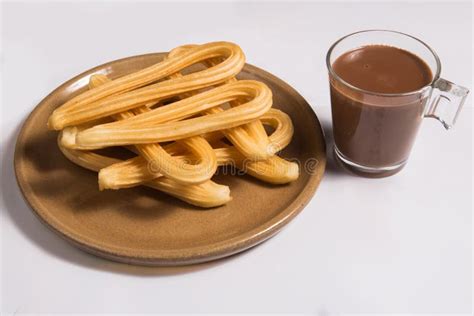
(144, 226)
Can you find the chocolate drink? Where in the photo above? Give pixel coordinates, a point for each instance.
(371, 128)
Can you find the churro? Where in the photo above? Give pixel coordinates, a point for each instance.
(178, 170)
(138, 88)
(136, 171)
(149, 127)
(206, 194)
(250, 139)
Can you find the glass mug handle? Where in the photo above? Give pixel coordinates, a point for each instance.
(446, 102)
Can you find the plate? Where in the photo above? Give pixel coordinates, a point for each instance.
(144, 226)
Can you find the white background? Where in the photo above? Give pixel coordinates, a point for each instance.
(400, 244)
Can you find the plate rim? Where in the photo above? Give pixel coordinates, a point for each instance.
(183, 256)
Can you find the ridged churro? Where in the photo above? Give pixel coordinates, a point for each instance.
(177, 170)
(131, 91)
(250, 139)
(149, 127)
(136, 171)
(206, 194)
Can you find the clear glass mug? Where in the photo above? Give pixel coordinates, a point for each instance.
(374, 132)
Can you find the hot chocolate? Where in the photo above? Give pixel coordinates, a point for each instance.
(378, 106)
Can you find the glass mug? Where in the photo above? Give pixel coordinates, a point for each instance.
(374, 132)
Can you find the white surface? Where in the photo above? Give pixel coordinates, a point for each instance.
(400, 244)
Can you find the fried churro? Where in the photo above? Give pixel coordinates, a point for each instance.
(177, 170)
(149, 127)
(206, 194)
(137, 170)
(139, 88)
